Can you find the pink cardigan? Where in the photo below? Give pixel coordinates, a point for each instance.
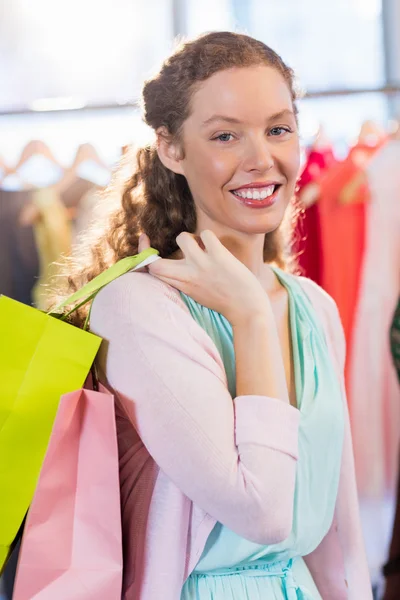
(190, 456)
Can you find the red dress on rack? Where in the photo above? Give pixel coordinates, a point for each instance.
(307, 237)
(344, 194)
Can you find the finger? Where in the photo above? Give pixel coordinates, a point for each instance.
(190, 247)
(210, 241)
(172, 269)
(182, 286)
(144, 242)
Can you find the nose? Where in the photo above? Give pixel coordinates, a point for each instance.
(258, 156)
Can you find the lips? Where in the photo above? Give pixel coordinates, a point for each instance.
(257, 195)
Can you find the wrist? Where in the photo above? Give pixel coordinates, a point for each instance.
(256, 314)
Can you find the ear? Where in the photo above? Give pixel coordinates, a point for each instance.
(169, 152)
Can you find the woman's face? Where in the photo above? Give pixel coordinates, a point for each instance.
(241, 150)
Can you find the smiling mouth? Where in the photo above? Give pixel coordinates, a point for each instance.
(256, 193)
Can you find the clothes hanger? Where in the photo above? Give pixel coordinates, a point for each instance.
(34, 148)
(394, 130)
(3, 165)
(310, 194)
(350, 190)
(87, 152)
(371, 134)
(4, 168)
(30, 214)
(86, 156)
(321, 141)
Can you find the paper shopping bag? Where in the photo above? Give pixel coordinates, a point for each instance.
(41, 358)
(72, 544)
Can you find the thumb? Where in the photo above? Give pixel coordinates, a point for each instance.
(144, 242)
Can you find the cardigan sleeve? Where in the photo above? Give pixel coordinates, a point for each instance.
(339, 565)
(235, 458)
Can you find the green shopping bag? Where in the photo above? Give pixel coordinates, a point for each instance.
(41, 358)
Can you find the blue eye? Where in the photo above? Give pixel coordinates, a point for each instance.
(223, 137)
(279, 131)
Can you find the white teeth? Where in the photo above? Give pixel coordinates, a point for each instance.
(256, 193)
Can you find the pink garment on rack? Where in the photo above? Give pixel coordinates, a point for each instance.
(373, 386)
(342, 223)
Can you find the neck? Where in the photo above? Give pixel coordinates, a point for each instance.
(249, 249)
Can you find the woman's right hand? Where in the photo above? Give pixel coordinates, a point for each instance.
(212, 276)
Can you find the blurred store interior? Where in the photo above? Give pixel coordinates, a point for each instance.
(70, 80)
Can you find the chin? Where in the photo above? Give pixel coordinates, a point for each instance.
(265, 223)
(267, 229)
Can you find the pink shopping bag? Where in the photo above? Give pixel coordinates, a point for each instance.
(72, 543)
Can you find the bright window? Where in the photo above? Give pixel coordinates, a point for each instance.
(80, 51)
(330, 45)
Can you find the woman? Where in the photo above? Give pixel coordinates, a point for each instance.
(235, 449)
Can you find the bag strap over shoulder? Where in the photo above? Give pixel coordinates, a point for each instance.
(88, 292)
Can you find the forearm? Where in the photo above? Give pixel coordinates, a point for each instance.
(259, 364)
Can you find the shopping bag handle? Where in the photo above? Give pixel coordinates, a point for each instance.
(89, 291)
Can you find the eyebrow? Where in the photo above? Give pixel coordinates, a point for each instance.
(226, 119)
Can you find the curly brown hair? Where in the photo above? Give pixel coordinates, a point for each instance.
(155, 200)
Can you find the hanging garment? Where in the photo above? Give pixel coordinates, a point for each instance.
(72, 193)
(53, 240)
(307, 235)
(88, 211)
(344, 194)
(373, 385)
(19, 263)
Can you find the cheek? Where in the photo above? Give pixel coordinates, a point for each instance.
(296, 164)
(289, 163)
(223, 167)
(294, 161)
(216, 166)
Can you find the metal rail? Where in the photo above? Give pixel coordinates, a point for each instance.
(311, 94)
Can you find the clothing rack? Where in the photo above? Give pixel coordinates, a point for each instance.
(387, 89)
(390, 90)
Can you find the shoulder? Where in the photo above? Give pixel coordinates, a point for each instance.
(145, 321)
(319, 298)
(135, 297)
(139, 307)
(137, 287)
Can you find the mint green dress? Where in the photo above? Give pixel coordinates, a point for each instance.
(233, 568)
